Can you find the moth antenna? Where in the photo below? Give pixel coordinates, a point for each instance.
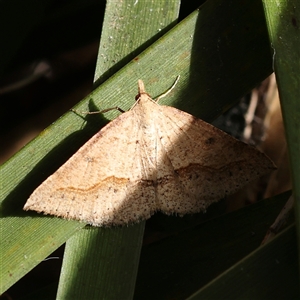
(168, 91)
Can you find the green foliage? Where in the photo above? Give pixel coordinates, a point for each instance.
(221, 51)
(283, 21)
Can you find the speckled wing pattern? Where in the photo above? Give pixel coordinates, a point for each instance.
(151, 158)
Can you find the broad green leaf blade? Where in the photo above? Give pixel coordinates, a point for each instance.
(17, 256)
(207, 87)
(129, 28)
(102, 262)
(283, 20)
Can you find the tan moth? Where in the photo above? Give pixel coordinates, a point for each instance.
(150, 158)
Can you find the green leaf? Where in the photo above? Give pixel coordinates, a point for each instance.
(106, 264)
(283, 21)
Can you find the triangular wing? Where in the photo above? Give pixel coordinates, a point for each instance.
(104, 182)
(207, 164)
